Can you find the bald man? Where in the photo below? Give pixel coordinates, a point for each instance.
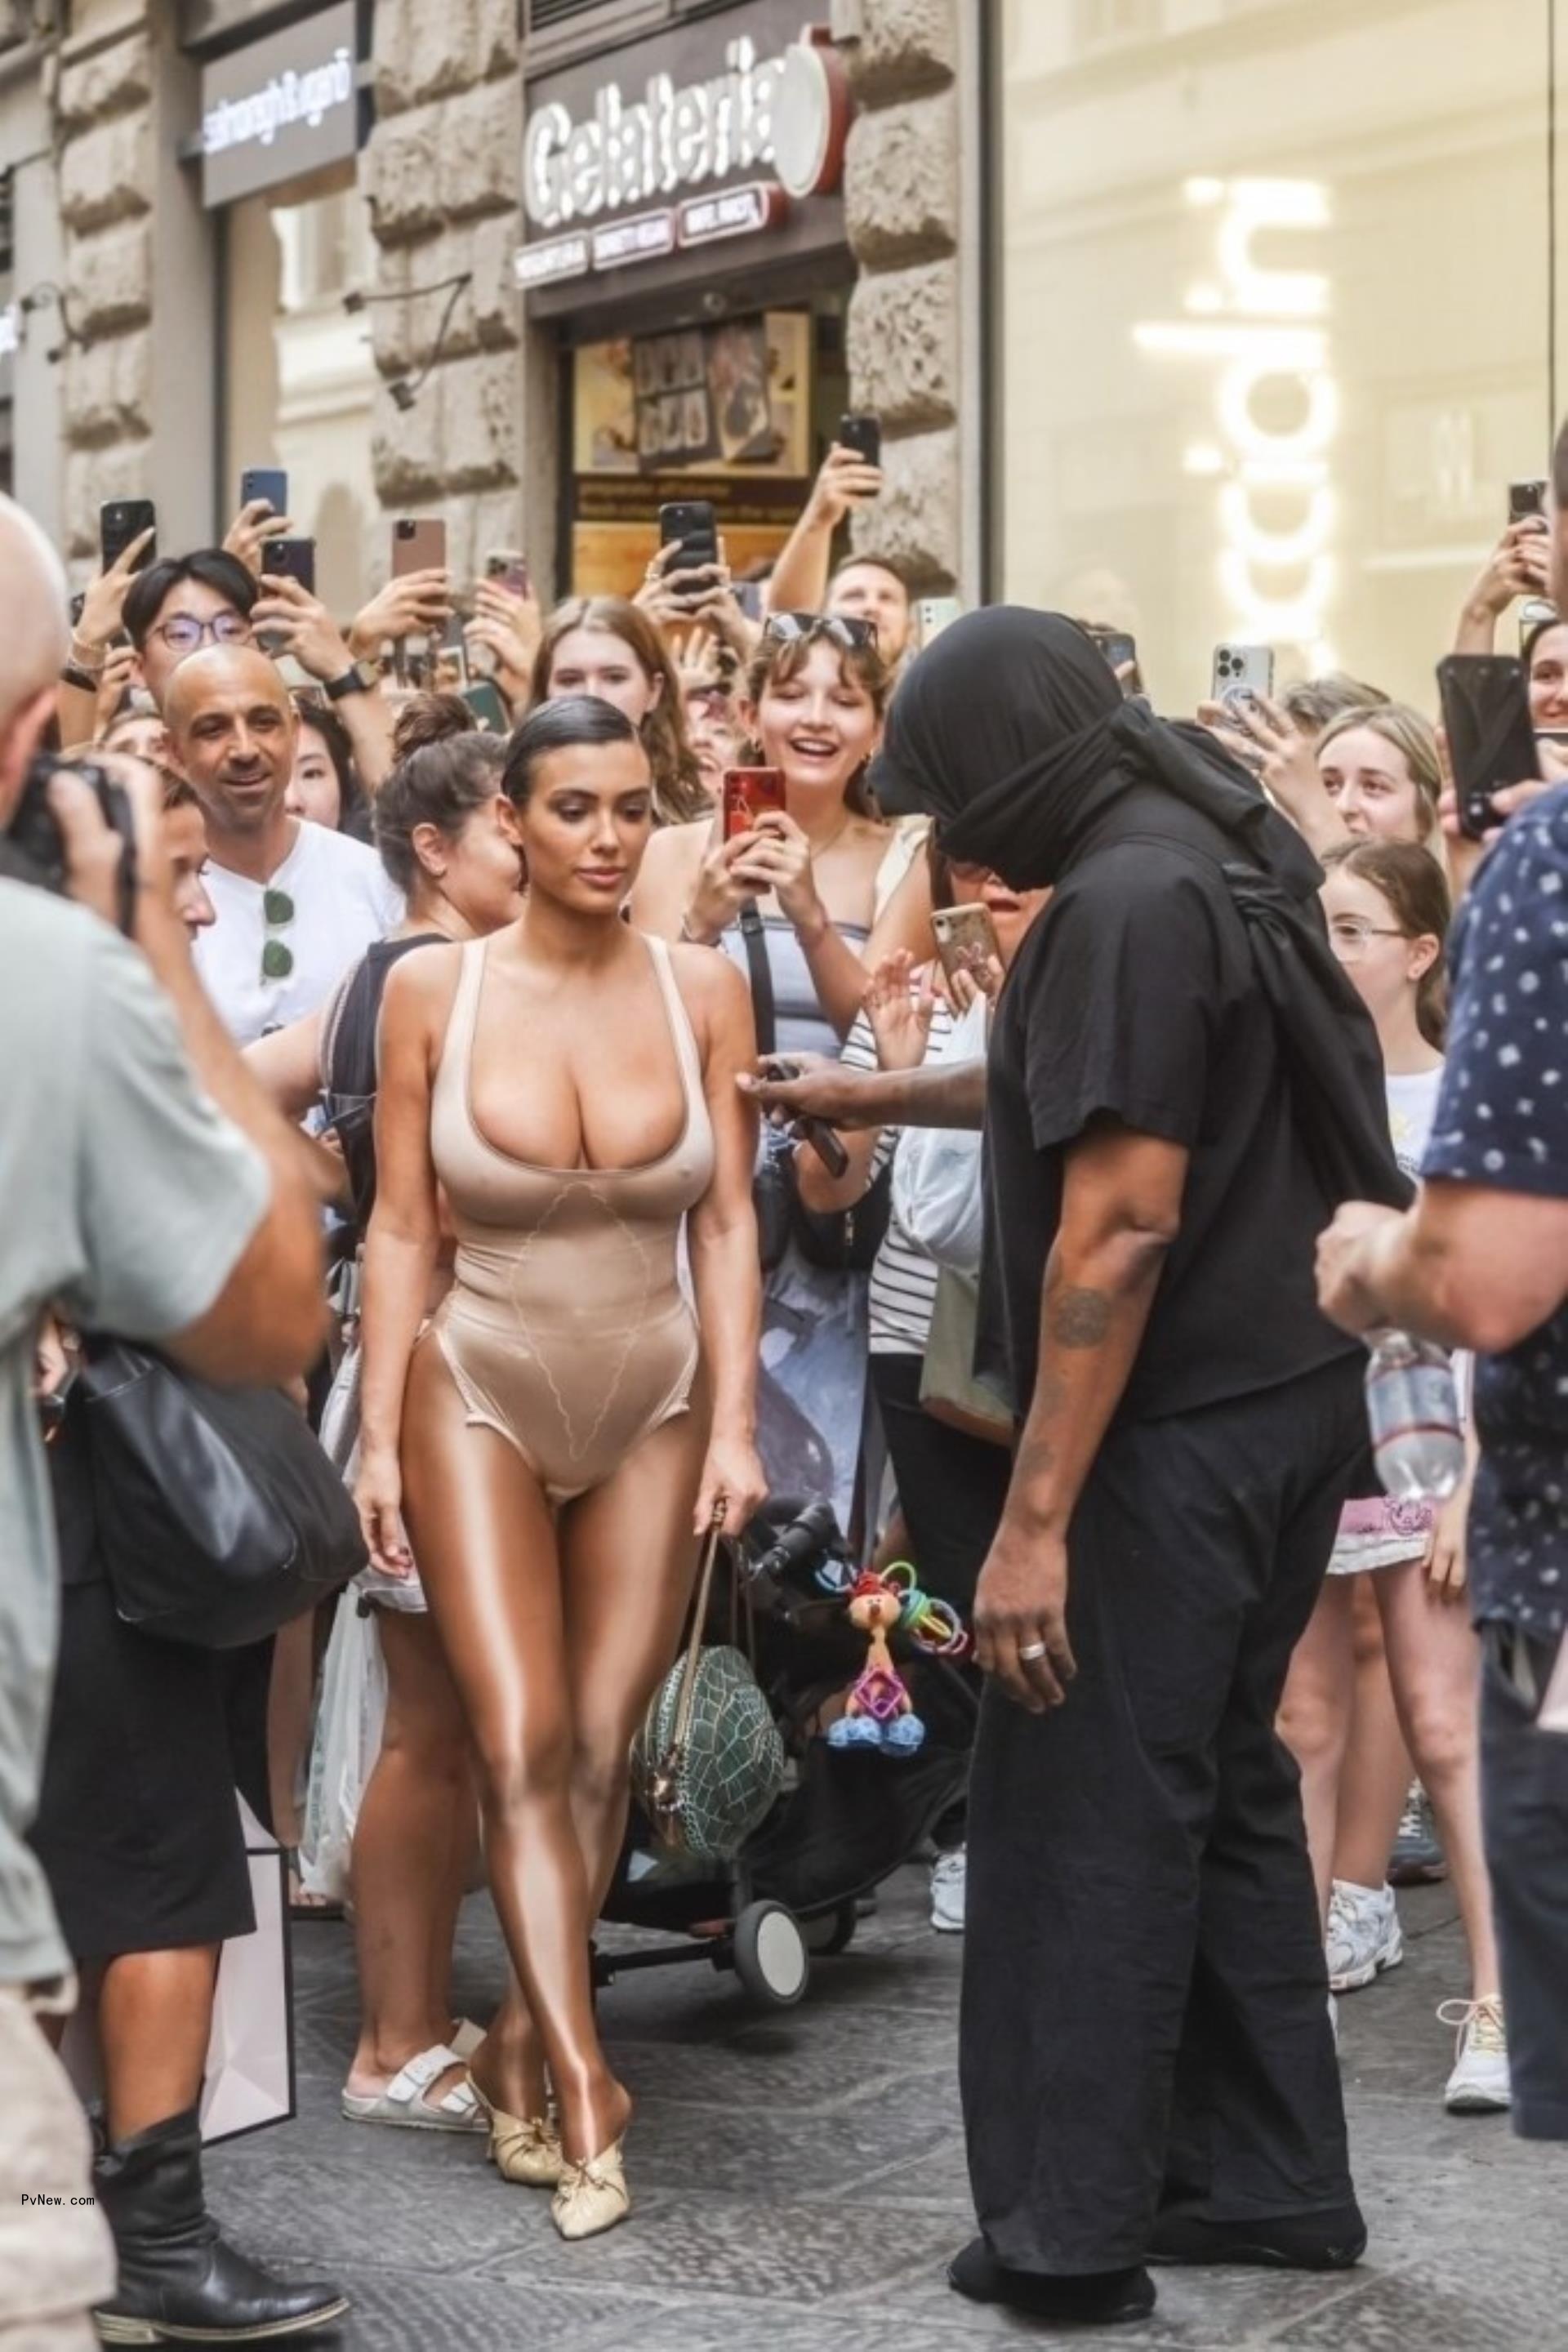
(295, 905)
(148, 1190)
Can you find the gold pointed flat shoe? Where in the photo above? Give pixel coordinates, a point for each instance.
(592, 2196)
(525, 2149)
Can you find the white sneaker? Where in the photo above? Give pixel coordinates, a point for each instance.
(1364, 1936)
(1479, 2083)
(947, 1892)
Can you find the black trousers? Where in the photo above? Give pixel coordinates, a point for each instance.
(951, 1485)
(1524, 1798)
(1145, 2005)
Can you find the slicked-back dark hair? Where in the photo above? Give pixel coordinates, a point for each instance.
(561, 726)
(214, 567)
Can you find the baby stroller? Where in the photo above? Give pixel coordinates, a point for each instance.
(847, 1820)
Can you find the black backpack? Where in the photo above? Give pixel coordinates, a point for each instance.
(347, 1060)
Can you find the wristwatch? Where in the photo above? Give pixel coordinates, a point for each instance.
(360, 677)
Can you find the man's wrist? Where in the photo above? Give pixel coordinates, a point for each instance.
(333, 662)
(356, 677)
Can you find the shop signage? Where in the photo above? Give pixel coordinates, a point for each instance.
(645, 237)
(280, 107)
(733, 212)
(557, 257)
(787, 112)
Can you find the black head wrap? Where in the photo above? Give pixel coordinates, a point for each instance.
(1010, 732)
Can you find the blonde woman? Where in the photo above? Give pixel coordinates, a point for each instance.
(1373, 775)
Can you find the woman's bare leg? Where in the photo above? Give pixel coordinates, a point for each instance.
(481, 1531)
(628, 1558)
(1375, 1778)
(1314, 1722)
(290, 1695)
(413, 1842)
(1434, 1657)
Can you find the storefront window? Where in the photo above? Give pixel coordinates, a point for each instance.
(300, 377)
(724, 413)
(1273, 325)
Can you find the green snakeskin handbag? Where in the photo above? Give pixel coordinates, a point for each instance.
(708, 1761)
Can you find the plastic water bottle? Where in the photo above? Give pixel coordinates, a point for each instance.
(1413, 1407)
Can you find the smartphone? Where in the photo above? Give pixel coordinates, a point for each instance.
(510, 567)
(120, 522)
(1492, 743)
(291, 559)
(863, 434)
(1524, 500)
(965, 937)
(484, 700)
(1242, 671)
(691, 522)
(934, 614)
(454, 673)
(268, 482)
(418, 546)
(749, 793)
(814, 1131)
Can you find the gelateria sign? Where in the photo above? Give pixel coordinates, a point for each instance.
(280, 107)
(650, 163)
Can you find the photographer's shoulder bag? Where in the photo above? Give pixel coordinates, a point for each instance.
(838, 1240)
(219, 1517)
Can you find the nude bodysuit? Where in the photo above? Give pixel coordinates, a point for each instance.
(565, 1330)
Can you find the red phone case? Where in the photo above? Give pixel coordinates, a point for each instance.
(748, 791)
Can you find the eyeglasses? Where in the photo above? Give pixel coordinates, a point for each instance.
(849, 630)
(183, 633)
(1348, 936)
(277, 955)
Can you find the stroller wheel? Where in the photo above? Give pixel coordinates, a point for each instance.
(832, 1932)
(770, 1954)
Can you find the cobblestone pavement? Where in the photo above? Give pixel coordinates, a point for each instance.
(799, 2180)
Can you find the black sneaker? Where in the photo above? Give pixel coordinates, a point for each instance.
(1092, 2299)
(1332, 2241)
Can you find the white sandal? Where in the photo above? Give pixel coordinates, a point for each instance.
(402, 2103)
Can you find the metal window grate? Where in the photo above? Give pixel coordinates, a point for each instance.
(543, 14)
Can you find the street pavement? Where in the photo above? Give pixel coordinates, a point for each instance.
(799, 2180)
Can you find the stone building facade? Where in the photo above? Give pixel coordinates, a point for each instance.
(130, 405)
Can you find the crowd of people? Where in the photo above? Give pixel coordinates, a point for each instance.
(657, 1187)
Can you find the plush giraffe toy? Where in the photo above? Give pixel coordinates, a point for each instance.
(879, 1711)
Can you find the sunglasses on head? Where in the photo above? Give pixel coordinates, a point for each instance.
(850, 631)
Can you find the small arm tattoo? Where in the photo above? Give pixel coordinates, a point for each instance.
(1079, 1318)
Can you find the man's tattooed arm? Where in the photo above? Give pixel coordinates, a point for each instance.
(1121, 1201)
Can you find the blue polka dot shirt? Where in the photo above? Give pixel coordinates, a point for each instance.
(1503, 1122)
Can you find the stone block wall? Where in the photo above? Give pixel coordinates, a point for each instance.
(901, 194)
(441, 175)
(105, 105)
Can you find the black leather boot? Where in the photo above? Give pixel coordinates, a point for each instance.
(179, 2282)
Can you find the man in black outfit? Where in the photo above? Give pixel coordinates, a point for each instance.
(1147, 2062)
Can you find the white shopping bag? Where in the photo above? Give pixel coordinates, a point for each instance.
(350, 1718)
(250, 2056)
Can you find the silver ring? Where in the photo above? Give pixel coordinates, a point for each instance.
(1032, 1650)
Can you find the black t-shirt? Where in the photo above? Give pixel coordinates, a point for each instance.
(1502, 1124)
(1134, 995)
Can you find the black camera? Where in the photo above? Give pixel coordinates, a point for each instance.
(37, 846)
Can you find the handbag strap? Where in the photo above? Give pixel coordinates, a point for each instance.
(688, 1699)
(755, 939)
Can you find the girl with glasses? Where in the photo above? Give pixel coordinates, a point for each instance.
(1388, 909)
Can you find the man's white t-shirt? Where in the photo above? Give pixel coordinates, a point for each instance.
(343, 901)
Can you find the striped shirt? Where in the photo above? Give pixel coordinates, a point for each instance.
(903, 1280)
